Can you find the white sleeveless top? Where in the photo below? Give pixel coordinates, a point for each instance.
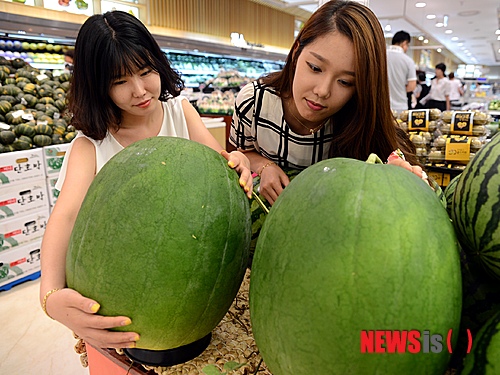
(173, 125)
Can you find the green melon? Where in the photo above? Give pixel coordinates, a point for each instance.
(485, 356)
(162, 237)
(449, 191)
(476, 208)
(349, 247)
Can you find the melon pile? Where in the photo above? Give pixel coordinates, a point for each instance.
(352, 247)
(162, 237)
(32, 107)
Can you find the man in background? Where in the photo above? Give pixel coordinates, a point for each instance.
(456, 90)
(401, 71)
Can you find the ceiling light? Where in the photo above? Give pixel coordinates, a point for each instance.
(439, 50)
(460, 44)
(426, 41)
(445, 21)
(455, 38)
(498, 50)
(448, 31)
(430, 16)
(421, 37)
(498, 37)
(420, 5)
(388, 27)
(497, 32)
(439, 24)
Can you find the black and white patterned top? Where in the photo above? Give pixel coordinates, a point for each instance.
(258, 124)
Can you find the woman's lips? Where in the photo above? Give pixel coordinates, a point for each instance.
(314, 106)
(144, 104)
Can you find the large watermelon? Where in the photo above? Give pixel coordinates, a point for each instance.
(476, 208)
(162, 237)
(351, 247)
(485, 356)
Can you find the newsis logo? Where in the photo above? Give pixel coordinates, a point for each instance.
(407, 341)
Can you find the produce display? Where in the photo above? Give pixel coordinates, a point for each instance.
(217, 102)
(32, 52)
(342, 252)
(449, 138)
(494, 105)
(32, 107)
(162, 237)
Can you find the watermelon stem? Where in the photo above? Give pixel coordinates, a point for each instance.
(374, 159)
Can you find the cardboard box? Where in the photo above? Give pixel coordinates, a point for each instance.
(20, 199)
(53, 158)
(19, 264)
(21, 166)
(22, 230)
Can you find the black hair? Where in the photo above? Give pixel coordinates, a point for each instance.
(442, 67)
(109, 46)
(400, 37)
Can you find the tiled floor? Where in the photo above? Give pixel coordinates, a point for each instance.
(30, 342)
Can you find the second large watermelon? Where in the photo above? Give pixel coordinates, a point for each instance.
(352, 260)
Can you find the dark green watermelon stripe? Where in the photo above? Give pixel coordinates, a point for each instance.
(492, 225)
(494, 251)
(482, 197)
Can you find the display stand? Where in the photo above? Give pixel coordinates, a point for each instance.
(109, 362)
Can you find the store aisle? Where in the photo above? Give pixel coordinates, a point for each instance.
(31, 343)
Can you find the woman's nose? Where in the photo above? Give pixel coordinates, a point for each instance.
(323, 88)
(138, 88)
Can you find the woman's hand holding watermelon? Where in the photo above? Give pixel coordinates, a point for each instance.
(397, 158)
(78, 313)
(272, 181)
(240, 163)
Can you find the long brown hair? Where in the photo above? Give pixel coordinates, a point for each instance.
(365, 124)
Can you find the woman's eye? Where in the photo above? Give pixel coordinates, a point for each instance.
(119, 82)
(146, 72)
(314, 68)
(346, 83)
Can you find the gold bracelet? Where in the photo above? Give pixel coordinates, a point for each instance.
(265, 166)
(44, 302)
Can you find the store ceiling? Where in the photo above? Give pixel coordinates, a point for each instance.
(473, 23)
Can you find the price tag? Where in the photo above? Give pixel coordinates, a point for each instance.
(436, 176)
(18, 113)
(461, 123)
(28, 116)
(457, 149)
(446, 179)
(418, 119)
(41, 77)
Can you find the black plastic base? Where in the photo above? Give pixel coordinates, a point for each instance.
(169, 357)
